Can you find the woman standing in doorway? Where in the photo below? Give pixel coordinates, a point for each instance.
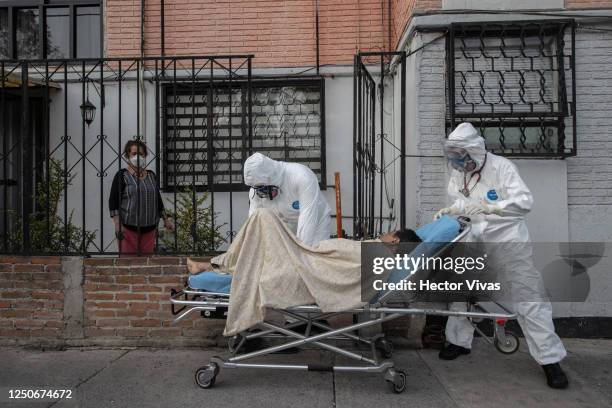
(135, 203)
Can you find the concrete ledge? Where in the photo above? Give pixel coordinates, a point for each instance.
(502, 4)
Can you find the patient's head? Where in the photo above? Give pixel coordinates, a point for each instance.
(395, 237)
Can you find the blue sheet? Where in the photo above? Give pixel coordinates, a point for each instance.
(211, 282)
(434, 236)
(443, 230)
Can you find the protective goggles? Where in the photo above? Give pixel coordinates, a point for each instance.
(455, 154)
(266, 191)
(460, 159)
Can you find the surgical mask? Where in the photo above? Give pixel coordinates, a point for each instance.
(138, 161)
(266, 191)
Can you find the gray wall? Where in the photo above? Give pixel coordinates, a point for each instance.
(573, 197)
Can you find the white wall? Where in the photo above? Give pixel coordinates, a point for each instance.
(339, 135)
(339, 157)
(547, 180)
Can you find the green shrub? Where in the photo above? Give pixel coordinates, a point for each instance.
(193, 225)
(49, 233)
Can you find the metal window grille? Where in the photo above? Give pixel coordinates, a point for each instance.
(57, 163)
(33, 29)
(288, 125)
(516, 82)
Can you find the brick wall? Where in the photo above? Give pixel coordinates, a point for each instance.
(577, 4)
(589, 173)
(279, 33)
(430, 113)
(122, 301)
(126, 300)
(401, 13)
(31, 298)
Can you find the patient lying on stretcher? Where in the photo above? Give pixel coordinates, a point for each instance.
(271, 268)
(393, 237)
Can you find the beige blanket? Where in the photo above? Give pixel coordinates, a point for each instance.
(272, 269)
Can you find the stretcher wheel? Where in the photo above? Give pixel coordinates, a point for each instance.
(511, 345)
(398, 383)
(385, 347)
(205, 376)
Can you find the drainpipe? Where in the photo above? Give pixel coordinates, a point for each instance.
(141, 85)
(317, 30)
(389, 45)
(163, 27)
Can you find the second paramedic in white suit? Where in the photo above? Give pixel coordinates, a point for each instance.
(489, 189)
(292, 190)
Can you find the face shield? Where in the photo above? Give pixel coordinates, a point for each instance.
(460, 159)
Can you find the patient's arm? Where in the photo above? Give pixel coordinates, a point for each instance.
(198, 266)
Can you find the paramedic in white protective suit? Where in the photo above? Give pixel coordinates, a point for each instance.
(489, 189)
(291, 189)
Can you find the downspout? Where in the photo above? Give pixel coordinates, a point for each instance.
(389, 45)
(317, 32)
(163, 27)
(141, 84)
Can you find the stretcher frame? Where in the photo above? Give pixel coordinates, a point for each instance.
(316, 332)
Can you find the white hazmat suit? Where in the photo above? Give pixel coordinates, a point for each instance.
(299, 202)
(497, 200)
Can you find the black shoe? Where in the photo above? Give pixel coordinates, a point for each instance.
(555, 377)
(452, 351)
(257, 344)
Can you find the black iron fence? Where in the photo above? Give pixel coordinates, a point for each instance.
(371, 140)
(64, 125)
(516, 82)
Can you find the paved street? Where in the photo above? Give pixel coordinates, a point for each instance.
(165, 378)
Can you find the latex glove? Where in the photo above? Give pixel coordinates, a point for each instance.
(444, 211)
(490, 208)
(474, 209)
(484, 207)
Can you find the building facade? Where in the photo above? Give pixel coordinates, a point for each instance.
(533, 76)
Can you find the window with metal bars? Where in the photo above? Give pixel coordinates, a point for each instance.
(515, 82)
(40, 29)
(287, 124)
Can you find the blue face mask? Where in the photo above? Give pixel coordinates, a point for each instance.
(461, 161)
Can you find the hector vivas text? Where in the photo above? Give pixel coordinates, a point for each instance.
(412, 264)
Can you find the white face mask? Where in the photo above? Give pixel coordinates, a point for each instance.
(138, 161)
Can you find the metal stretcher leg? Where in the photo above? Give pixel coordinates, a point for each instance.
(205, 376)
(201, 301)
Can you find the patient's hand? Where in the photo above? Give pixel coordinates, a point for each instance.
(197, 267)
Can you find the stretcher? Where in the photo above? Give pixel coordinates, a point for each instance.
(307, 326)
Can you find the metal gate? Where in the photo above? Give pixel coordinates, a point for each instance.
(64, 124)
(370, 139)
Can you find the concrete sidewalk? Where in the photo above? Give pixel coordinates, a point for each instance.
(165, 378)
